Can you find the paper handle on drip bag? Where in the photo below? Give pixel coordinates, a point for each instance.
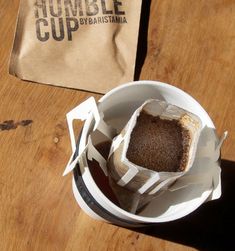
(81, 112)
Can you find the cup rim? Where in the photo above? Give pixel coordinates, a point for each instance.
(154, 82)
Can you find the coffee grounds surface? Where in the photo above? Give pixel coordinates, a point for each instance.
(158, 144)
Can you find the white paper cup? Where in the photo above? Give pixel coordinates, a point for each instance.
(118, 106)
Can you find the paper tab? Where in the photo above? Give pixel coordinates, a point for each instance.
(82, 112)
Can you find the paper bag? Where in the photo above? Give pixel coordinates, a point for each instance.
(82, 44)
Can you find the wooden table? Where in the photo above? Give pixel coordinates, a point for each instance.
(190, 44)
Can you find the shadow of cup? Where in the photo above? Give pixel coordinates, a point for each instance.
(211, 226)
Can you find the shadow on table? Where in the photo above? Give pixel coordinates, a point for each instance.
(210, 227)
(143, 38)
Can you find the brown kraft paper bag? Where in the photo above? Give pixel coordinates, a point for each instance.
(82, 44)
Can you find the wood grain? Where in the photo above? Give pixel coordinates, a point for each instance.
(191, 44)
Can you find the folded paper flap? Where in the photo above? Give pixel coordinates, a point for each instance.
(73, 161)
(191, 180)
(165, 183)
(93, 153)
(128, 176)
(206, 164)
(104, 128)
(216, 193)
(116, 143)
(154, 107)
(151, 181)
(219, 145)
(82, 112)
(163, 109)
(222, 139)
(71, 165)
(210, 144)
